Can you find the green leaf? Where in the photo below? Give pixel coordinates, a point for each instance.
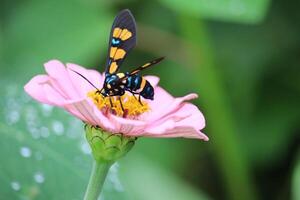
(42, 150)
(242, 11)
(149, 181)
(296, 180)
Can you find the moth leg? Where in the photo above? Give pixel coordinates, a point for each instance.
(111, 103)
(140, 100)
(134, 96)
(99, 91)
(119, 98)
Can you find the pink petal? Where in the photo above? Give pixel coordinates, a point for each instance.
(40, 88)
(164, 104)
(153, 80)
(128, 127)
(35, 88)
(89, 113)
(186, 132)
(187, 121)
(53, 96)
(59, 89)
(60, 79)
(80, 84)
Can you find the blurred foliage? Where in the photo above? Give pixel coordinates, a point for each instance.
(296, 181)
(53, 29)
(243, 11)
(246, 74)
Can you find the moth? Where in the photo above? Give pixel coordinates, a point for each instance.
(121, 40)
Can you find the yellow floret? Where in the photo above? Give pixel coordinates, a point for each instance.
(132, 107)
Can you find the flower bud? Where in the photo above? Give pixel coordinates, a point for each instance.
(107, 147)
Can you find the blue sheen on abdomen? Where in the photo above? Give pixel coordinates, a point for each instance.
(134, 82)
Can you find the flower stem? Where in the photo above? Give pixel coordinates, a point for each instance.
(98, 175)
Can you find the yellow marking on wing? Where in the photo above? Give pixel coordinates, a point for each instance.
(112, 51)
(146, 65)
(120, 53)
(113, 67)
(120, 75)
(117, 32)
(126, 34)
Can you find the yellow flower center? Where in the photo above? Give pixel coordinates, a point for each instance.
(130, 107)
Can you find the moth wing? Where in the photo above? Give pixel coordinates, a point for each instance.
(122, 39)
(146, 65)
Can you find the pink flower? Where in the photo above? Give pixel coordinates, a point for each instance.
(165, 116)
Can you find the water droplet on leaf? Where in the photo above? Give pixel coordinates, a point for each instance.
(44, 131)
(15, 185)
(39, 177)
(46, 109)
(25, 152)
(114, 179)
(58, 127)
(85, 148)
(12, 117)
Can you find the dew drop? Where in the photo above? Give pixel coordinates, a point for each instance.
(58, 127)
(34, 132)
(39, 177)
(32, 121)
(31, 114)
(12, 104)
(25, 152)
(12, 117)
(15, 185)
(114, 179)
(44, 131)
(85, 148)
(46, 109)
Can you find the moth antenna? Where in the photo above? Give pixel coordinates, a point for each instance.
(86, 79)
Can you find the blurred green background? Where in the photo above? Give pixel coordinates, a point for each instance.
(241, 56)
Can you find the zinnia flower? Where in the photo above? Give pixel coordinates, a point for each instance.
(165, 116)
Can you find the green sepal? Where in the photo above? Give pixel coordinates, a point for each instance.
(107, 147)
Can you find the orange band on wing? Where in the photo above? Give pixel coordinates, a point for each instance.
(117, 32)
(116, 53)
(123, 34)
(146, 65)
(120, 53)
(112, 51)
(120, 75)
(113, 67)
